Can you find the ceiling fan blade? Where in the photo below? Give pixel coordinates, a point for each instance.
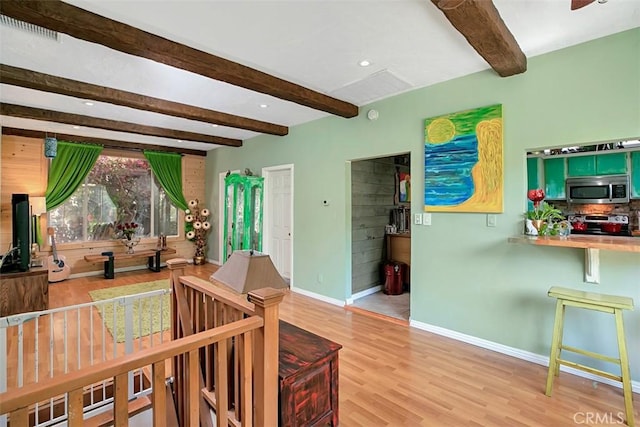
(577, 4)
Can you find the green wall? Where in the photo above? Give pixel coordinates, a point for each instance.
(465, 276)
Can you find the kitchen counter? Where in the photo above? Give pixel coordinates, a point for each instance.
(625, 244)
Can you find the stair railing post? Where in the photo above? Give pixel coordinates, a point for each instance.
(176, 266)
(265, 355)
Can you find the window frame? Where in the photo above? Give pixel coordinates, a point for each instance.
(90, 244)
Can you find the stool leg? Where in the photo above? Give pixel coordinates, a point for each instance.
(556, 345)
(624, 369)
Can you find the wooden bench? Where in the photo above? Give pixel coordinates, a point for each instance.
(152, 255)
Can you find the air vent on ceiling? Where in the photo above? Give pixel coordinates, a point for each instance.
(33, 29)
(377, 86)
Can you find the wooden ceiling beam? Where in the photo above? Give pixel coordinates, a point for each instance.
(81, 24)
(108, 143)
(45, 82)
(480, 23)
(13, 110)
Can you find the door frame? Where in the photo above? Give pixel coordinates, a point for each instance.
(266, 214)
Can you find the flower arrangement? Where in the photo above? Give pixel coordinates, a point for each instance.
(127, 230)
(546, 219)
(197, 226)
(542, 210)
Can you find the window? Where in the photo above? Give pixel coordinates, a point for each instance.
(117, 190)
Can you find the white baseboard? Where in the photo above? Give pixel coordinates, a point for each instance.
(362, 294)
(319, 297)
(515, 352)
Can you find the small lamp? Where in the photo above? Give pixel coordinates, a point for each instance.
(246, 271)
(50, 147)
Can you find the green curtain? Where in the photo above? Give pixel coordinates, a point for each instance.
(68, 169)
(167, 168)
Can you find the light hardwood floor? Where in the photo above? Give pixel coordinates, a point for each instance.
(394, 375)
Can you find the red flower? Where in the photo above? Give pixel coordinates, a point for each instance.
(536, 196)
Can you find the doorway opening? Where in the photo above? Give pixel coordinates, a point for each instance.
(381, 236)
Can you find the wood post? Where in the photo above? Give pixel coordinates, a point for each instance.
(265, 356)
(176, 266)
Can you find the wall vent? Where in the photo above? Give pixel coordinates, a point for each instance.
(33, 29)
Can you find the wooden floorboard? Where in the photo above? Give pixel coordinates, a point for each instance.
(394, 375)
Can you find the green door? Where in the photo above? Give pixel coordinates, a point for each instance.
(611, 164)
(635, 174)
(581, 165)
(554, 174)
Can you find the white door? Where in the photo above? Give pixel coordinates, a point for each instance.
(279, 217)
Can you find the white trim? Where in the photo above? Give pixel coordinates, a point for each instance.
(319, 297)
(515, 352)
(213, 261)
(363, 294)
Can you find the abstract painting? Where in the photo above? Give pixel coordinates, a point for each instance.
(463, 161)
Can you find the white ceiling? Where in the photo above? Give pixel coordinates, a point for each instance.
(316, 44)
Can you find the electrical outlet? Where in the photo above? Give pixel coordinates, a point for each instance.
(417, 219)
(426, 218)
(491, 220)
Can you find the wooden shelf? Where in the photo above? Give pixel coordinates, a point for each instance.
(591, 245)
(625, 244)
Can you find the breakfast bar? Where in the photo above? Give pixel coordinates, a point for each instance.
(591, 245)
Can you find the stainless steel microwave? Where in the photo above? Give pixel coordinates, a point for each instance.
(598, 189)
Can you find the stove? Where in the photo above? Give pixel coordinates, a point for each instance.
(594, 224)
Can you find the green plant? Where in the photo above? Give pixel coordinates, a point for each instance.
(545, 212)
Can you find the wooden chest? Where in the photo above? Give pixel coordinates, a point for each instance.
(308, 371)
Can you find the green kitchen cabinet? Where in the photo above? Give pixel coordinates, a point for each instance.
(581, 165)
(533, 173)
(611, 164)
(534, 180)
(243, 197)
(597, 164)
(554, 175)
(635, 174)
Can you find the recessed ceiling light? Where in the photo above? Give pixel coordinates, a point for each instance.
(88, 103)
(364, 63)
(179, 140)
(264, 106)
(76, 127)
(214, 125)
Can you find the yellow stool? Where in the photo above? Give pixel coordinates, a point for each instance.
(591, 301)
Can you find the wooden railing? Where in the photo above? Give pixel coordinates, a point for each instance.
(224, 355)
(199, 305)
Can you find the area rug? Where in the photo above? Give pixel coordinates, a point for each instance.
(151, 309)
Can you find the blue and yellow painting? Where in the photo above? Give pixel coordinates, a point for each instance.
(463, 161)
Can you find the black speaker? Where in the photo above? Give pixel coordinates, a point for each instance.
(21, 221)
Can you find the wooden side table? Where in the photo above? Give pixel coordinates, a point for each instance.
(308, 372)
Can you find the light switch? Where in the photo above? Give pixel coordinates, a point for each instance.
(491, 220)
(426, 218)
(417, 219)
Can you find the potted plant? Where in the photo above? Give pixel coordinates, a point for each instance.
(543, 215)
